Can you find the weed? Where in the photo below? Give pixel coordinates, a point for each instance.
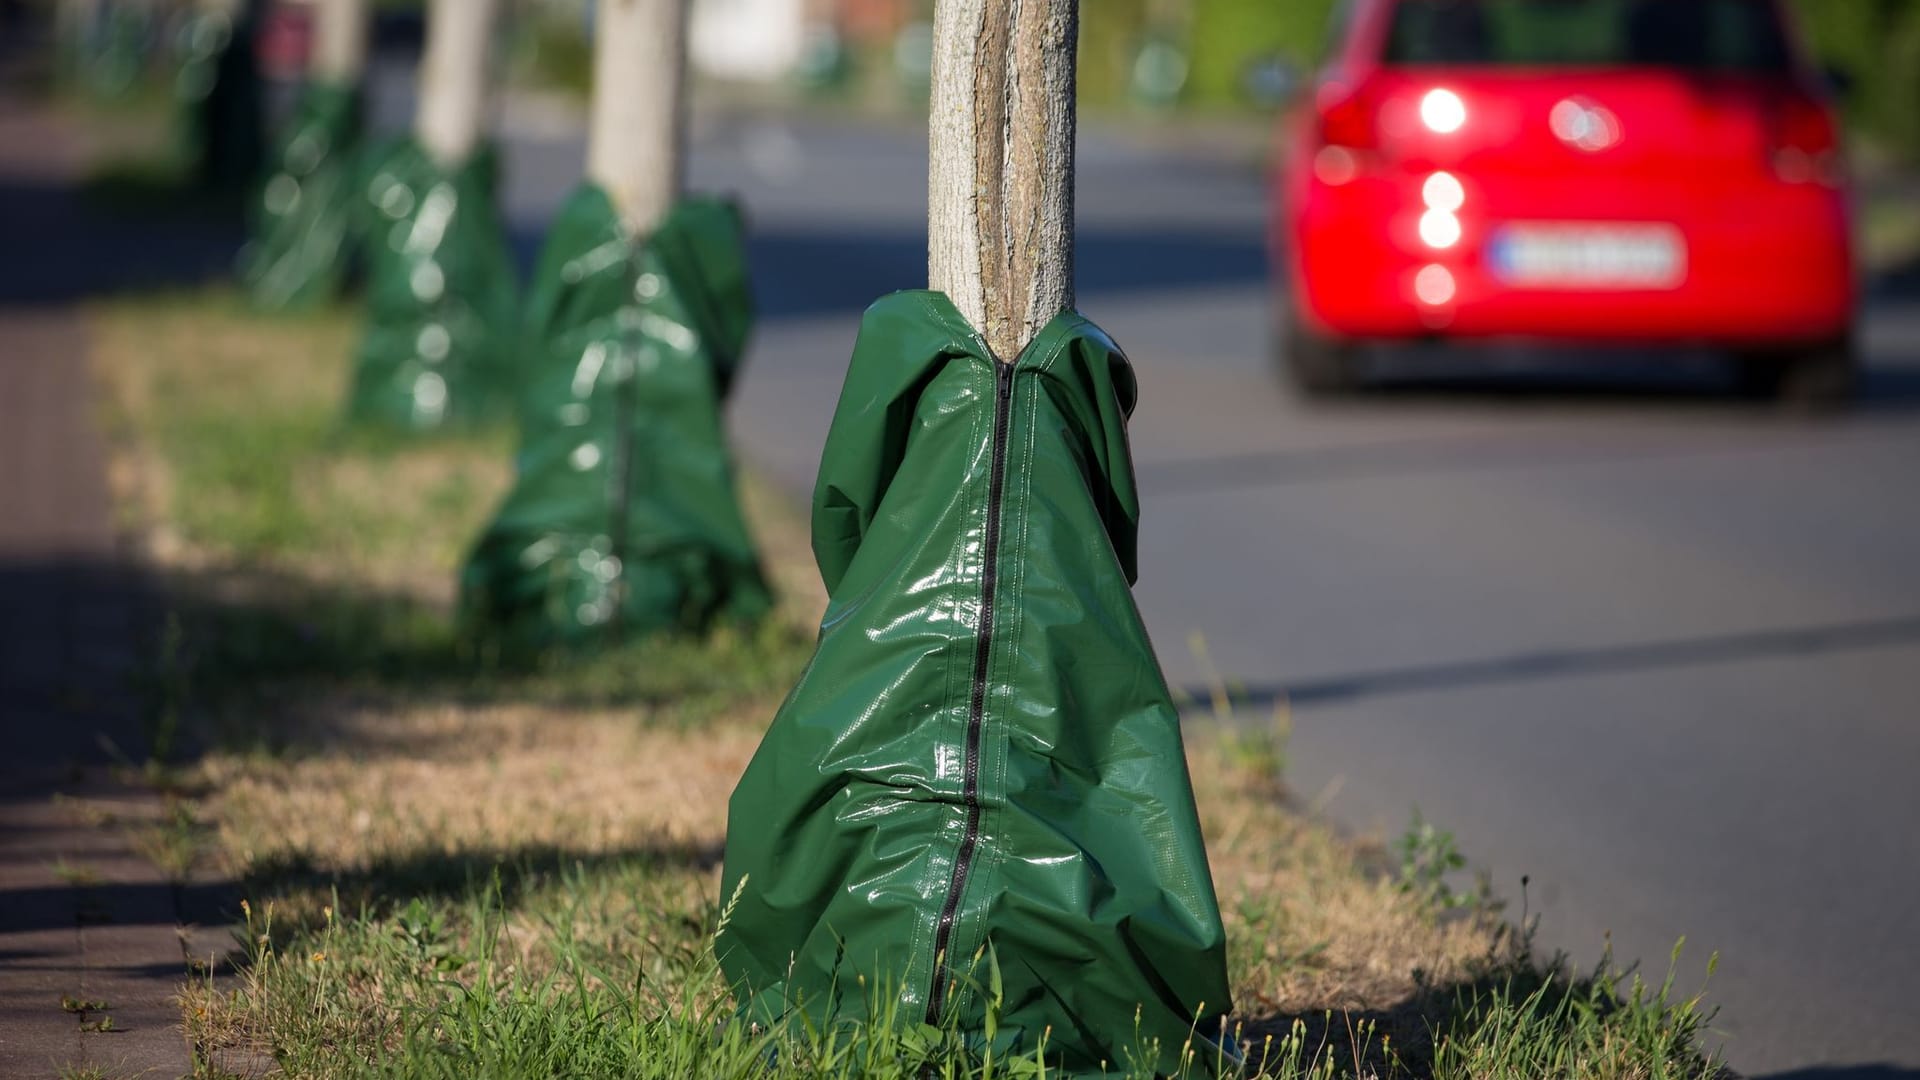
(78, 876)
(92, 1015)
(424, 929)
(1255, 750)
(174, 841)
(1429, 856)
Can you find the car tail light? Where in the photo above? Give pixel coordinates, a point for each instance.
(1442, 111)
(1806, 143)
(1347, 117)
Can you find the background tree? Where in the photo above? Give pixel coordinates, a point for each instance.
(456, 83)
(339, 41)
(636, 134)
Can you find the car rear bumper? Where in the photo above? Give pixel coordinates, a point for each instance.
(1776, 268)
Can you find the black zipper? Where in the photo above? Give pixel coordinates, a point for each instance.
(977, 706)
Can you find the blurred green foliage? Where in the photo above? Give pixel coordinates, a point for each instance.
(1224, 39)
(1110, 34)
(1874, 43)
(1228, 37)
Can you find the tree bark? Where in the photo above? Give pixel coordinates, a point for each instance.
(455, 79)
(1000, 164)
(636, 135)
(339, 40)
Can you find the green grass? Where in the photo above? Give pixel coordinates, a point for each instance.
(449, 988)
(455, 866)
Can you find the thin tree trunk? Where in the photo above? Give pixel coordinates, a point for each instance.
(339, 40)
(635, 142)
(1000, 164)
(455, 79)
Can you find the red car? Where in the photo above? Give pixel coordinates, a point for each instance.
(1627, 171)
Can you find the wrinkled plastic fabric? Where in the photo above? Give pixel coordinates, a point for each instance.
(1087, 878)
(623, 517)
(216, 87)
(441, 296)
(305, 216)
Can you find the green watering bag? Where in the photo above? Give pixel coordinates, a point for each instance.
(623, 517)
(441, 296)
(983, 755)
(303, 219)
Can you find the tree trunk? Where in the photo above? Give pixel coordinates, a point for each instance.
(635, 143)
(339, 40)
(1000, 164)
(455, 79)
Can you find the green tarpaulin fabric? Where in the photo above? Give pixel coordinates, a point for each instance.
(441, 296)
(983, 753)
(304, 217)
(623, 517)
(216, 87)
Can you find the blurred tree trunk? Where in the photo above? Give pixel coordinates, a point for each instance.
(339, 40)
(1000, 164)
(455, 79)
(636, 136)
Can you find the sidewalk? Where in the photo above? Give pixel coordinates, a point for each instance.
(82, 915)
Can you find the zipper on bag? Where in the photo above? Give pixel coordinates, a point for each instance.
(977, 703)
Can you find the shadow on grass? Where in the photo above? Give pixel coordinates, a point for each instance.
(245, 644)
(505, 875)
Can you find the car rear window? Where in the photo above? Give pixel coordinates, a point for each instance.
(1710, 35)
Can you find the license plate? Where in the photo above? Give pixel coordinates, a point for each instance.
(1583, 256)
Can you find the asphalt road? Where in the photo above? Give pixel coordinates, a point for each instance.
(1653, 649)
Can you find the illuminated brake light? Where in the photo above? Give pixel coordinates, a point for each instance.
(1439, 229)
(1443, 112)
(1443, 192)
